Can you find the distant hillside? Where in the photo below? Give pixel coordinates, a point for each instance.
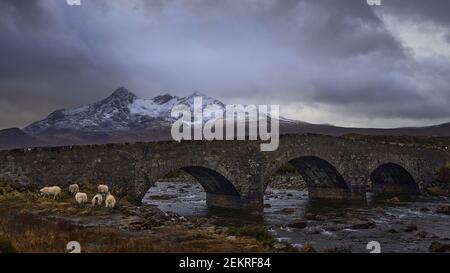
(299, 127)
(15, 138)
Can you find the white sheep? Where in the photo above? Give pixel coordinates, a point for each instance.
(74, 189)
(54, 191)
(81, 199)
(97, 200)
(110, 201)
(103, 190)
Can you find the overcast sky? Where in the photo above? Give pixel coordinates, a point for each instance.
(324, 61)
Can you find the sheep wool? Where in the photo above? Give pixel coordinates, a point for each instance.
(97, 200)
(110, 201)
(51, 191)
(81, 198)
(74, 189)
(103, 189)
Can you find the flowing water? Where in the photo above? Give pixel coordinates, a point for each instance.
(330, 225)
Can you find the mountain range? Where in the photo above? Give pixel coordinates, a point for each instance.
(123, 117)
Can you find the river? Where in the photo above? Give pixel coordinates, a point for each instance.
(409, 226)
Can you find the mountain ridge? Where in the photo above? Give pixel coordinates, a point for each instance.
(124, 117)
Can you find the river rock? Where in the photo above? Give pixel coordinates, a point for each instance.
(307, 249)
(443, 210)
(163, 197)
(393, 231)
(310, 217)
(410, 228)
(299, 225)
(380, 210)
(422, 235)
(315, 232)
(438, 247)
(288, 211)
(363, 225)
(267, 206)
(394, 200)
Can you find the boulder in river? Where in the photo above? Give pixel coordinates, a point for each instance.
(422, 235)
(410, 228)
(311, 217)
(288, 211)
(392, 231)
(443, 210)
(363, 225)
(299, 225)
(438, 247)
(394, 200)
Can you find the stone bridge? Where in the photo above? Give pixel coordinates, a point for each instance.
(234, 174)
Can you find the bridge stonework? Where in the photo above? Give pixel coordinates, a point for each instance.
(234, 174)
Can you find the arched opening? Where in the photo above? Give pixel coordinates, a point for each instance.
(393, 179)
(320, 178)
(181, 188)
(318, 173)
(212, 181)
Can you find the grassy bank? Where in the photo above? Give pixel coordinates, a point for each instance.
(32, 224)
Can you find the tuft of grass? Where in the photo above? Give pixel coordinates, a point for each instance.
(6, 246)
(437, 191)
(258, 232)
(6, 190)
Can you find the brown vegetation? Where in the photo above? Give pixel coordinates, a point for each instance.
(32, 224)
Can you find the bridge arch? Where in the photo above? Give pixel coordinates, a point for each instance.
(323, 179)
(212, 181)
(220, 190)
(393, 179)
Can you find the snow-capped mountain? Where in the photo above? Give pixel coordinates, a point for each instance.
(122, 111)
(123, 117)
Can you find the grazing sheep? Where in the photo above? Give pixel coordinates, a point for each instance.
(97, 200)
(103, 190)
(81, 199)
(74, 189)
(110, 201)
(51, 191)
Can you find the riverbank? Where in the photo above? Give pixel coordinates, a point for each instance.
(32, 224)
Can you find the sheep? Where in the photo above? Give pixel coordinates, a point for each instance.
(74, 189)
(81, 199)
(103, 190)
(110, 201)
(97, 200)
(55, 191)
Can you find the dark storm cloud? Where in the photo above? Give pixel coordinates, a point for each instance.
(338, 54)
(435, 11)
(30, 14)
